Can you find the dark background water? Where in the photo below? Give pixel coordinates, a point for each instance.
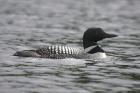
(26, 24)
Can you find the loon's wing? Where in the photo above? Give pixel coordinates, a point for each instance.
(58, 52)
(55, 52)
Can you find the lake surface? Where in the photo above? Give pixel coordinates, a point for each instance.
(27, 24)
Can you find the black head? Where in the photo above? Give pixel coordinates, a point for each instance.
(93, 35)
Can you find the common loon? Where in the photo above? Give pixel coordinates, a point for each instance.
(91, 48)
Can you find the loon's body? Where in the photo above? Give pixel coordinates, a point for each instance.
(91, 48)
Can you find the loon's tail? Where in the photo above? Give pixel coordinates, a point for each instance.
(27, 53)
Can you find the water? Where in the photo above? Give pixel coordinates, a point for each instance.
(27, 24)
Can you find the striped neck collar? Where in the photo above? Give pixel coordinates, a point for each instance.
(94, 49)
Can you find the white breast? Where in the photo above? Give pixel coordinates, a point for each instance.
(98, 55)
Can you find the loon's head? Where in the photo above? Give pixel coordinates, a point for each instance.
(93, 35)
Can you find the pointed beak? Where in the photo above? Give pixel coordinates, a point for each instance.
(110, 35)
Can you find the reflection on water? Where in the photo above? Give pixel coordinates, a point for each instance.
(28, 24)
